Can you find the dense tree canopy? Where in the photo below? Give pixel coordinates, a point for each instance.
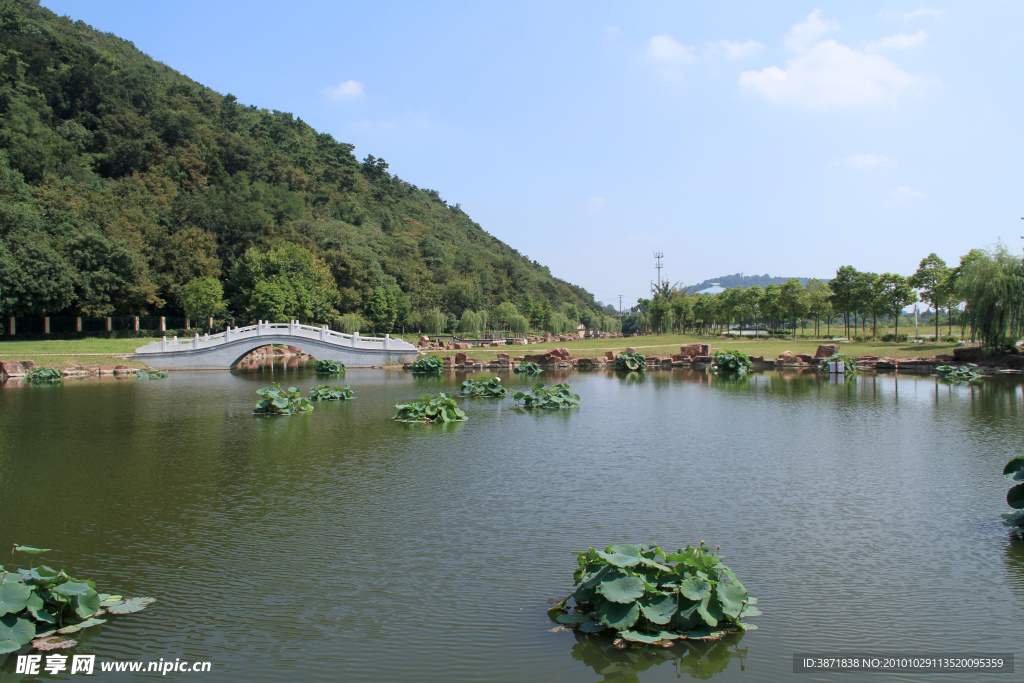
(122, 180)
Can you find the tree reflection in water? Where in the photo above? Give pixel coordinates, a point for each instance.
(699, 659)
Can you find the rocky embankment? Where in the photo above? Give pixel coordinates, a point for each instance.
(699, 355)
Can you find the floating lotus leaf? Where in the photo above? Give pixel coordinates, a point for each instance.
(618, 616)
(74, 628)
(107, 599)
(278, 401)
(622, 589)
(431, 365)
(30, 550)
(710, 610)
(14, 597)
(329, 367)
(630, 362)
(18, 629)
(8, 646)
(131, 605)
(592, 627)
(488, 388)
(74, 588)
(527, 368)
(86, 605)
(635, 637)
(572, 618)
(53, 643)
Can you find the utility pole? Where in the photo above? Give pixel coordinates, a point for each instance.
(659, 255)
(620, 303)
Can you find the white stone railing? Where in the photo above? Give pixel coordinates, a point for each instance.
(265, 328)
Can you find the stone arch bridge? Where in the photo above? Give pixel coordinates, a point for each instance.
(224, 350)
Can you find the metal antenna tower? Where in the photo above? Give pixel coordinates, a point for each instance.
(659, 255)
(620, 305)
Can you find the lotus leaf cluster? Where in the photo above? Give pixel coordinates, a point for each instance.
(151, 373)
(40, 605)
(959, 373)
(527, 368)
(329, 367)
(489, 388)
(43, 376)
(731, 362)
(849, 365)
(429, 365)
(322, 392)
(540, 396)
(429, 408)
(643, 595)
(278, 401)
(630, 362)
(1014, 472)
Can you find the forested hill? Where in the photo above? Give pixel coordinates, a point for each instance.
(741, 280)
(122, 180)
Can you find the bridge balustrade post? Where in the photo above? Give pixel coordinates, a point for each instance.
(163, 343)
(195, 341)
(387, 337)
(355, 338)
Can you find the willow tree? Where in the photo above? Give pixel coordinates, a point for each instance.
(992, 285)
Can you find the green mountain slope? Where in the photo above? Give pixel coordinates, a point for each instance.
(121, 180)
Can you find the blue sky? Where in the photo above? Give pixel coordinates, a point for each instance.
(783, 138)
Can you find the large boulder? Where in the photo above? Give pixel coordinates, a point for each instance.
(460, 357)
(967, 354)
(695, 350)
(826, 351)
(16, 368)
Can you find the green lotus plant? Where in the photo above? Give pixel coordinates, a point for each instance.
(322, 392)
(643, 595)
(527, 368)
(849, 365)
(151, 373)
(43, 376)
(329, 367)
(965, 373)
(489, 388)
(278, 401)
(540, 396)
(40, 605)
(1014, 472)
(429, 408)
(731, 362)
(431, 364)
(630, 362)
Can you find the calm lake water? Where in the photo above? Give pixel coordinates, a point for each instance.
(340, 545)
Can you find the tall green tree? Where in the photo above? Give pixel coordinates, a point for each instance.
(793, 299)
(203, 297)
(844, 298)
(752, 297)
(992, 284)
(931, 276)
(818, 297)
(302, 286)
(895, 294)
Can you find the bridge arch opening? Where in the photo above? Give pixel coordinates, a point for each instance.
(264, 355)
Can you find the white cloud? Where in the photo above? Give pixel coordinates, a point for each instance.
(665, 48)
(827, 73)
(803, 35)
(596, 204)
(900, 41)
(344, 90)
(905, 192)
(864, 161)
(919, 13)
(731, 50)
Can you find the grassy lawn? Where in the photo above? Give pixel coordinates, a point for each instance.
(66, 353)
(666, 344)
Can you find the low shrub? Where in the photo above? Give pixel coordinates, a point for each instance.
(890, 337)
(489, 388)
(949, 339)
(630, 362)
(643, 595)
(441, 408)
(39, 605)
(329, 367)
(322, 392)
(43, 376)
(849, 365)
(429, 365)
(278, 401)
(540, 396)
(731, 362)
(527, 368)
(965, 373)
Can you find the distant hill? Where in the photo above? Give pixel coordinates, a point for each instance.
(121, 180)
(744, 281)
